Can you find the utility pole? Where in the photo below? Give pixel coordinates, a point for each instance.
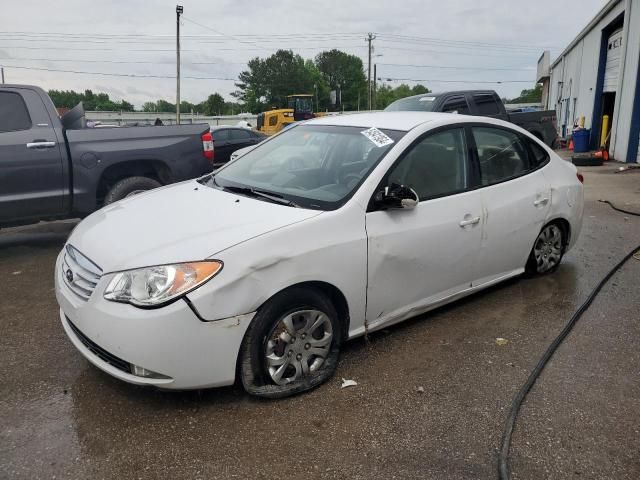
(2, 72)
(369, 39)
(179, 10)
(375, 90)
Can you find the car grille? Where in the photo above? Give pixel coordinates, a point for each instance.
(79, 273)
(100, 352)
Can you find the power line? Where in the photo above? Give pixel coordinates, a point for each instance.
(465, 42)
(129, 75)
(220, 33)
(323, 35)
(171, 37)
(93, 49)
(434, 80)
(454, 67)
(144, 41)
(145, 62)
(445, 52)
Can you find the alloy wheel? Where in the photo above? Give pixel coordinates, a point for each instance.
(298, 346)
(547, 251)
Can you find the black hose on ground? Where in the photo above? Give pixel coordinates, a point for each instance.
(503, 467)
(619, 209)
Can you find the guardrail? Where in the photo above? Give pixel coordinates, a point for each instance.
(169, 118)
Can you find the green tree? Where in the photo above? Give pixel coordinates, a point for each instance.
(532, 95)
(126, 106)
(164, 106)
(213, 105)
(267, 82)
(385, 94)
(149, 107)
(345, 72)
(90, 100)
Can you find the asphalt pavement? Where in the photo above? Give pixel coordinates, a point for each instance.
(431, 398)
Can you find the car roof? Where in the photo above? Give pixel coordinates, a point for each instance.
(450, 92)
(403, 121)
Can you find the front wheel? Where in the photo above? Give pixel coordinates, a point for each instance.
(547, 250)
(292, 345)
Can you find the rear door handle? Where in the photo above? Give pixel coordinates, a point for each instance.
(41, 144)
(469, 221)
(541, 201)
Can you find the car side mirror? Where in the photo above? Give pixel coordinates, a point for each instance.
(396, 196)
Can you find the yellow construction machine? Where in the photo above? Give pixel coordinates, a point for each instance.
(300, 107)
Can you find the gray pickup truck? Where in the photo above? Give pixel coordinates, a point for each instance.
(55, 167)
(485, 103)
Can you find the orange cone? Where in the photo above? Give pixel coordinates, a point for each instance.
(571, 144)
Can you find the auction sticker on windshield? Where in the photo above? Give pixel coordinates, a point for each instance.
(378, 138)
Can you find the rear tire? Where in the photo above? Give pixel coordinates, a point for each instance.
(547, 251)
(292, 345)
(130, 186)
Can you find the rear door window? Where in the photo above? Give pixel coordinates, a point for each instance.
(238, 134)
(501, 153)
(486, 104)
(13, 113)
(221, 135)
(456, 105)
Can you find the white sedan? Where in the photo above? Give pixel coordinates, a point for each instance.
(337, 227)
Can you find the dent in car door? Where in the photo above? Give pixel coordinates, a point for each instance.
(422, 256)
(31, 170)
(516, 202)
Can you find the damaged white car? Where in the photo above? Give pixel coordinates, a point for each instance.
(337, 227)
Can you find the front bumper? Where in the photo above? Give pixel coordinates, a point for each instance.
(170, 340)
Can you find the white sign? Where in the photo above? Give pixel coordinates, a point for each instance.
(378, 138)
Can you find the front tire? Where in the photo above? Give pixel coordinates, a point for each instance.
(292, 345)
(547, 251)
(128, 187)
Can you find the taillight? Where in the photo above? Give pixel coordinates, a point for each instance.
(580, 177)
(207, 146)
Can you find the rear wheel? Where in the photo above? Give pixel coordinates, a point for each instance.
(292, 345)
(128, 187)
(547, 250)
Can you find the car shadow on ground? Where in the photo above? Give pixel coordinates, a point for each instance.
(41, 235)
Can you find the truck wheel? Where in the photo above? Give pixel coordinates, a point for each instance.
(128, 187)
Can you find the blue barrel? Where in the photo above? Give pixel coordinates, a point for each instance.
(581, 140)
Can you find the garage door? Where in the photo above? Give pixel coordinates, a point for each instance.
(612, 68)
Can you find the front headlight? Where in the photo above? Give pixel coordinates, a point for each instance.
(156, 286)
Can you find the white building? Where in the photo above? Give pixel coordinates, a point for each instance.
(598, 74)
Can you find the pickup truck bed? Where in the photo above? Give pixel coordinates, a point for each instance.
(49, 172)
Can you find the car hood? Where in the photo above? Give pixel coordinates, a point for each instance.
(178, 223)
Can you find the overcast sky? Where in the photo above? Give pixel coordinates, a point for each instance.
(484, 41)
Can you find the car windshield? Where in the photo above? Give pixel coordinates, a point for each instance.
(422, 103)
(312, 166)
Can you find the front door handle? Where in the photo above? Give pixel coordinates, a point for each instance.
(469, 221)
(540, 201)
(41, 144)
